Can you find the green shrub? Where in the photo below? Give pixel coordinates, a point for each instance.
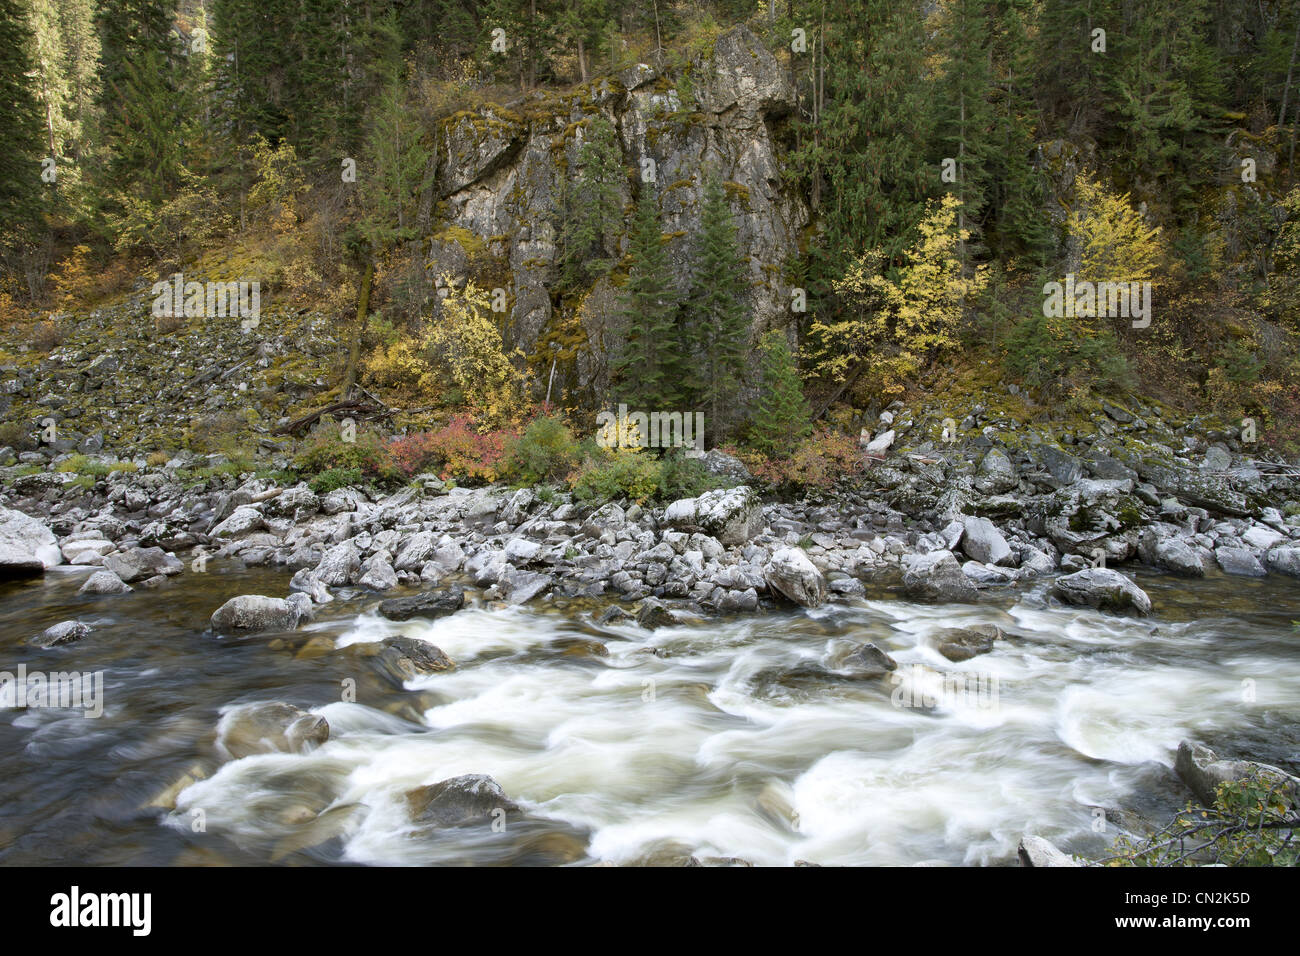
(625, 474)
(682, 477)
(545, 451)
(16, 437)
(325, 450)
(1041, 351)
(332, 479)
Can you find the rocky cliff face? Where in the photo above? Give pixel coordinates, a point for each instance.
(501, 175)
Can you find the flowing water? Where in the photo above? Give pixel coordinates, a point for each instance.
(725, 739)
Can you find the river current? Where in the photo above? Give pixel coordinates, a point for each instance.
(725, 739)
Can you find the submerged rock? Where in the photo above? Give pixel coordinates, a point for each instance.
(407, 658)
(460, 801)
(963, 643)
(273, 727)
(65, 632)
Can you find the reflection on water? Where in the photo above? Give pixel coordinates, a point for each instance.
(742, 738)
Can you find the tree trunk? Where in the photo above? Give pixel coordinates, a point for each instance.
(363, 310)
(1286, 87)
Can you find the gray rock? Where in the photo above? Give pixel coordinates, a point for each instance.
(719, 463)
(136, 564)
(996, 474)
(866, 660)
(338, 565)
(104, 582)
(461, 801)
(245, 520)
(274, 727)
(654, 614)
(963, 643)
(1217, 458)
(257, 612)
(984, 542)
(430, 605)
(1171, 553)
(406, 658)
(881, 443)
(380, 576)
(936, 576)
(520, 587)
(1285, 560)
(1102, 588)
(790, 573)
(27, 547)
(1065, 468)
(1201, 769)
(732, 515)
(1239, 561)
(65, 632)
(1035, 851)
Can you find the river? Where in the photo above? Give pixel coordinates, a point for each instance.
(729, 739)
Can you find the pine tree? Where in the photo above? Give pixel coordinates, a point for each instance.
(718, 320)
(1018, 221)
(397, 158)
(965, 122)
(647, 370)
(781, 415)
(867, 154)
(20, 130)
(592, 207)
(145, 111)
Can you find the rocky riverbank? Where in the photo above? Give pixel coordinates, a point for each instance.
(943, 521)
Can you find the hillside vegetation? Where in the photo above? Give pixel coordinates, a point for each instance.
(476, 226)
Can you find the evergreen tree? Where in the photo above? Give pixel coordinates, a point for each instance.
(145, 110)
(781, 415)
(718, 320)
(647, 370)
(20, 129)
(397, 158)
(965, 120)
(1018, 223)
(592, 208)
(867, 154)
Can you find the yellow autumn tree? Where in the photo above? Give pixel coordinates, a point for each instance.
(893, 322)
(467, 342)
(463, 347)
(1111, 239)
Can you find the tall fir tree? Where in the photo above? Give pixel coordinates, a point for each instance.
(717, 316)
(964, 118)
(781, 417)
(1018, 224)
(21, 129)
(592, 207)
(648, 370)
(145, 110)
